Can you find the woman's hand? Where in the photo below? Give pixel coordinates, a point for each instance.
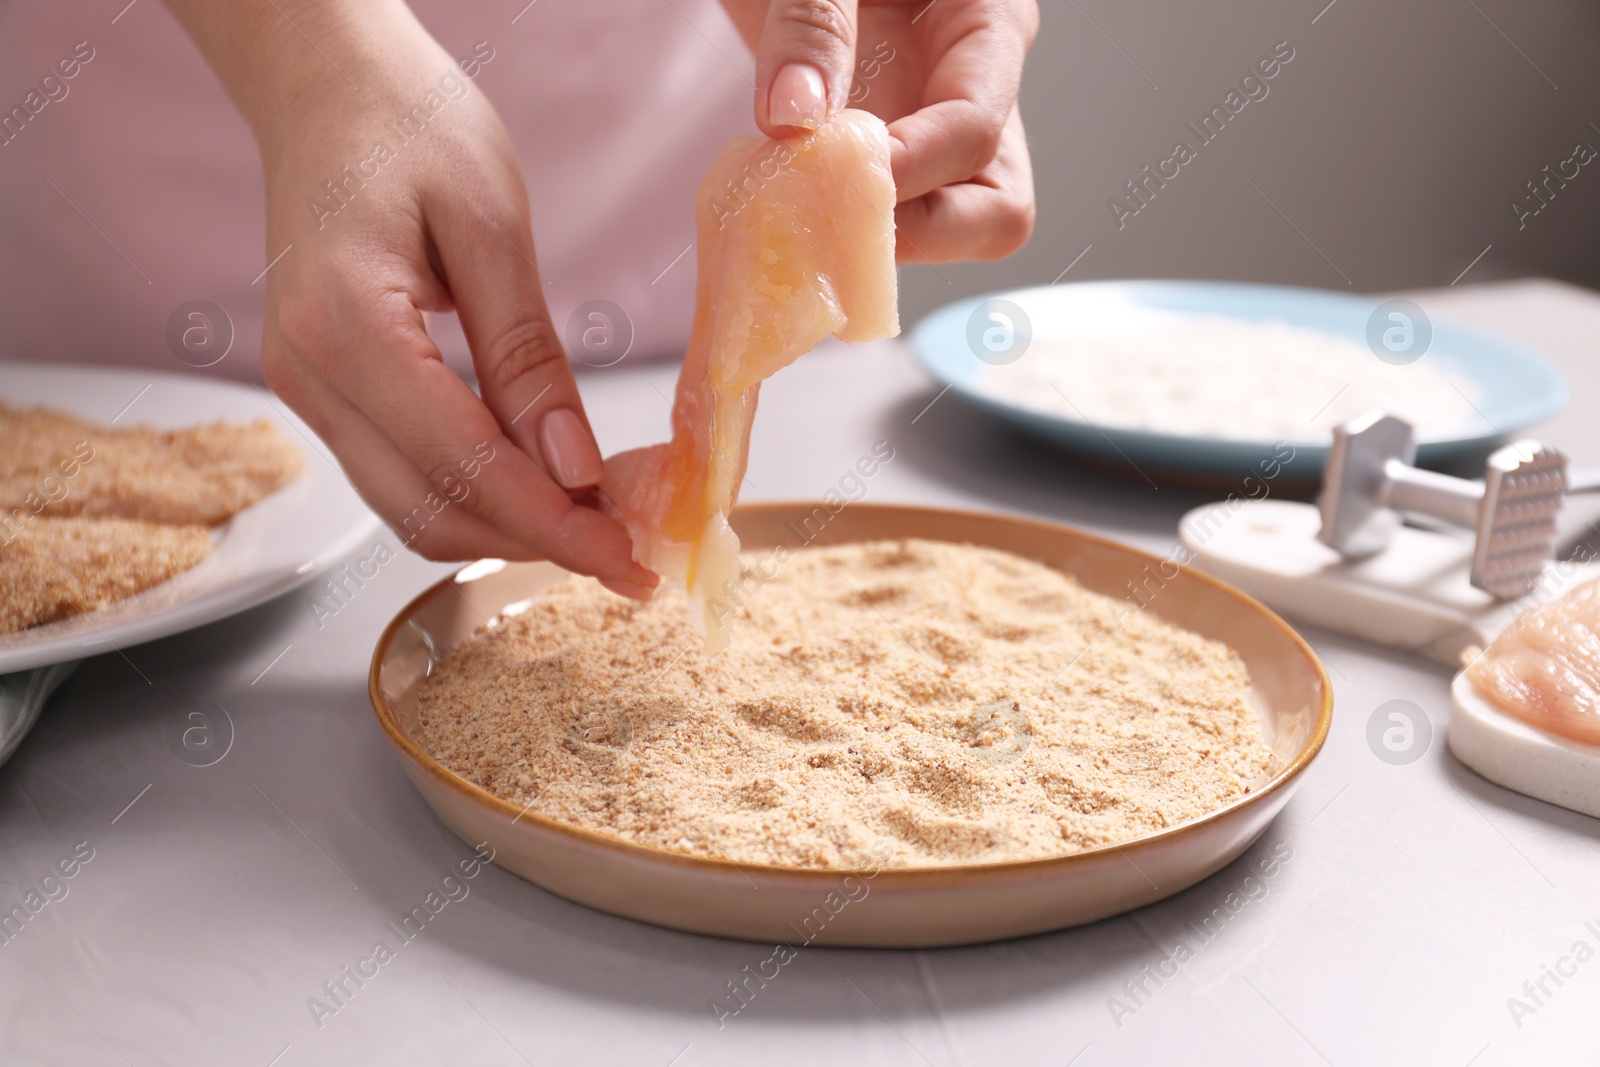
(394, 190)
(943, 74)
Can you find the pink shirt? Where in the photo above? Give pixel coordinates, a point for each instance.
(133, 186)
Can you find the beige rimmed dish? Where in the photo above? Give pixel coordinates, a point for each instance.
(893, 907)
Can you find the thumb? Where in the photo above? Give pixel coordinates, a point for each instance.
(804, 63)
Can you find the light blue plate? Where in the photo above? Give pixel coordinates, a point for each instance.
(1515, 386)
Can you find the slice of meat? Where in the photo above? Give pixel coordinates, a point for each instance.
(52, 568)
(795, 241)
(1545, 668)
(53, 463)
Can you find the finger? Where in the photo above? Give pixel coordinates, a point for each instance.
(392, 372)
(968, 95)
(804, 63)
(522, 368)
(989, 217)
(428, 522)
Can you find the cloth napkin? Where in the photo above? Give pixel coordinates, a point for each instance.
(22, 697)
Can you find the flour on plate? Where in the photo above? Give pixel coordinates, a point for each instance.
(1212, 376)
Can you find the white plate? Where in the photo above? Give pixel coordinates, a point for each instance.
(281, 542)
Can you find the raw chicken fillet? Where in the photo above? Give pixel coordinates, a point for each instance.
(1545, 668)
(795, 242)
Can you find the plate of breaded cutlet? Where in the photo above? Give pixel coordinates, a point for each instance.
(136, 504)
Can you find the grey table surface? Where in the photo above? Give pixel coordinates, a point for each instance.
(1410, 911)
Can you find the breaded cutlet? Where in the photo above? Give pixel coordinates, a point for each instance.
(53, 568)
(200, 474)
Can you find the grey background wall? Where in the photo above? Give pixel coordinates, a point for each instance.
(1393, 141)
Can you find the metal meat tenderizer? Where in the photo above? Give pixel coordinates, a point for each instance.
(1371, 476)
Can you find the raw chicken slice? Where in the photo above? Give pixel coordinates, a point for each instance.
(1545, 668)
(796, 241)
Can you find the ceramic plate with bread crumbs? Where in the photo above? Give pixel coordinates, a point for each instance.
(937, 703)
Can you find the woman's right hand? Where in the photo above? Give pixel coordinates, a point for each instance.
(943, 74)
(393, 190)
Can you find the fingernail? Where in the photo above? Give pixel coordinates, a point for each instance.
(798, 97)
(569, 449)
(628, 589)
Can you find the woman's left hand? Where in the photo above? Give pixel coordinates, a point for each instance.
(943, 74)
